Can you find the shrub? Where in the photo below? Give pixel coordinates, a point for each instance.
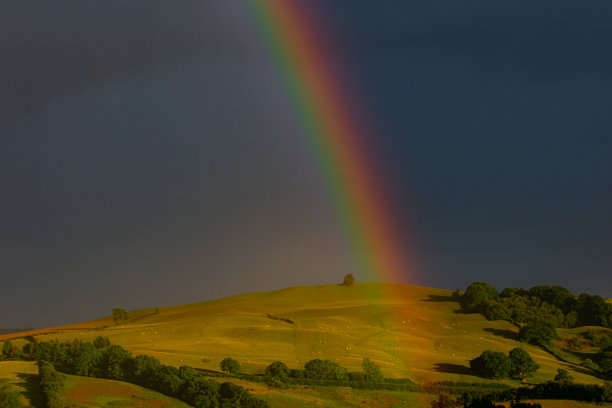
(231, 366)
(491, 364)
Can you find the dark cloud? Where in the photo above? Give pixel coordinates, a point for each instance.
(48, 49)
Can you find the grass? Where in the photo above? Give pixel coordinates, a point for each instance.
(86, 392)
(419, 333)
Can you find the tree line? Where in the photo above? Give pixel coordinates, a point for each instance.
(554, 304)
(102, 359)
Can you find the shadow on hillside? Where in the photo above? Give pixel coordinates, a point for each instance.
(583, 370)
(33, 390)
(506, 334)
(579, 354)
(452, 368)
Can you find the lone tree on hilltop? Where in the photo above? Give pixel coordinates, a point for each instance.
(229, 365)
(120, 316)
(349, 280)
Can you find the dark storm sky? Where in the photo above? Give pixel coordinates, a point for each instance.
(149, 155)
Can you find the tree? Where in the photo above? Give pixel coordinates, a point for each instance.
(231, 366)
(120, 315)
(7, 349)
(86, 359)
(9, 398)
(563, 377)
(477, 295)
(325, 370)
(102, 343)
(521, 363)
(116, 362)
(491, 364)
(371, 371)
(444, 401)
(538, 331)
(278, 370)
(349, 280)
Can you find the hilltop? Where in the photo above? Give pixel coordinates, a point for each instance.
(420, 333)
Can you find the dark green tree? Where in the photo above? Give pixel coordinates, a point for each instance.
(521, 363)
(563, 376)
(325, 370)
(7, 349)
(371, 371)
(538, 331)
(349, 280)
(120, 316)
(117, 363)
(278, 370)
(86, 359)
(491, 364)
(231, 366)
(102, 343)
(444, 401)
(477, 295)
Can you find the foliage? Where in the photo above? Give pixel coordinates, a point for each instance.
(371, 371)
(554, 304)
(538, 331)
(102, 343)
(349, 280)
(491, 364)
(120, 315)
(477, 295)
(563, 376)
(229, 365)
(325, 369)
(86, 359)
(9, 398)
(114, 362)
(7, 349)
(522, 365)
(444, 401)
(278, 370)
(52, 384)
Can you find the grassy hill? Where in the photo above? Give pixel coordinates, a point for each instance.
(418, 333)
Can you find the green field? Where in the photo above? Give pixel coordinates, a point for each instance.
(418, 333)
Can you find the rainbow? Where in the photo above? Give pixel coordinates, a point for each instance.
(336, 137)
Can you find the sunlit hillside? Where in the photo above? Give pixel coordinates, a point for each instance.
(421, 334)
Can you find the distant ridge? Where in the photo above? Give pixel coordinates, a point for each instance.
(8, 331)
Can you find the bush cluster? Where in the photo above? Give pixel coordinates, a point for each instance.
(105, 360)
(52, 384)
(495, 364)
(554, 304)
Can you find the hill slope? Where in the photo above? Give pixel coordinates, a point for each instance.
(419, 333)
